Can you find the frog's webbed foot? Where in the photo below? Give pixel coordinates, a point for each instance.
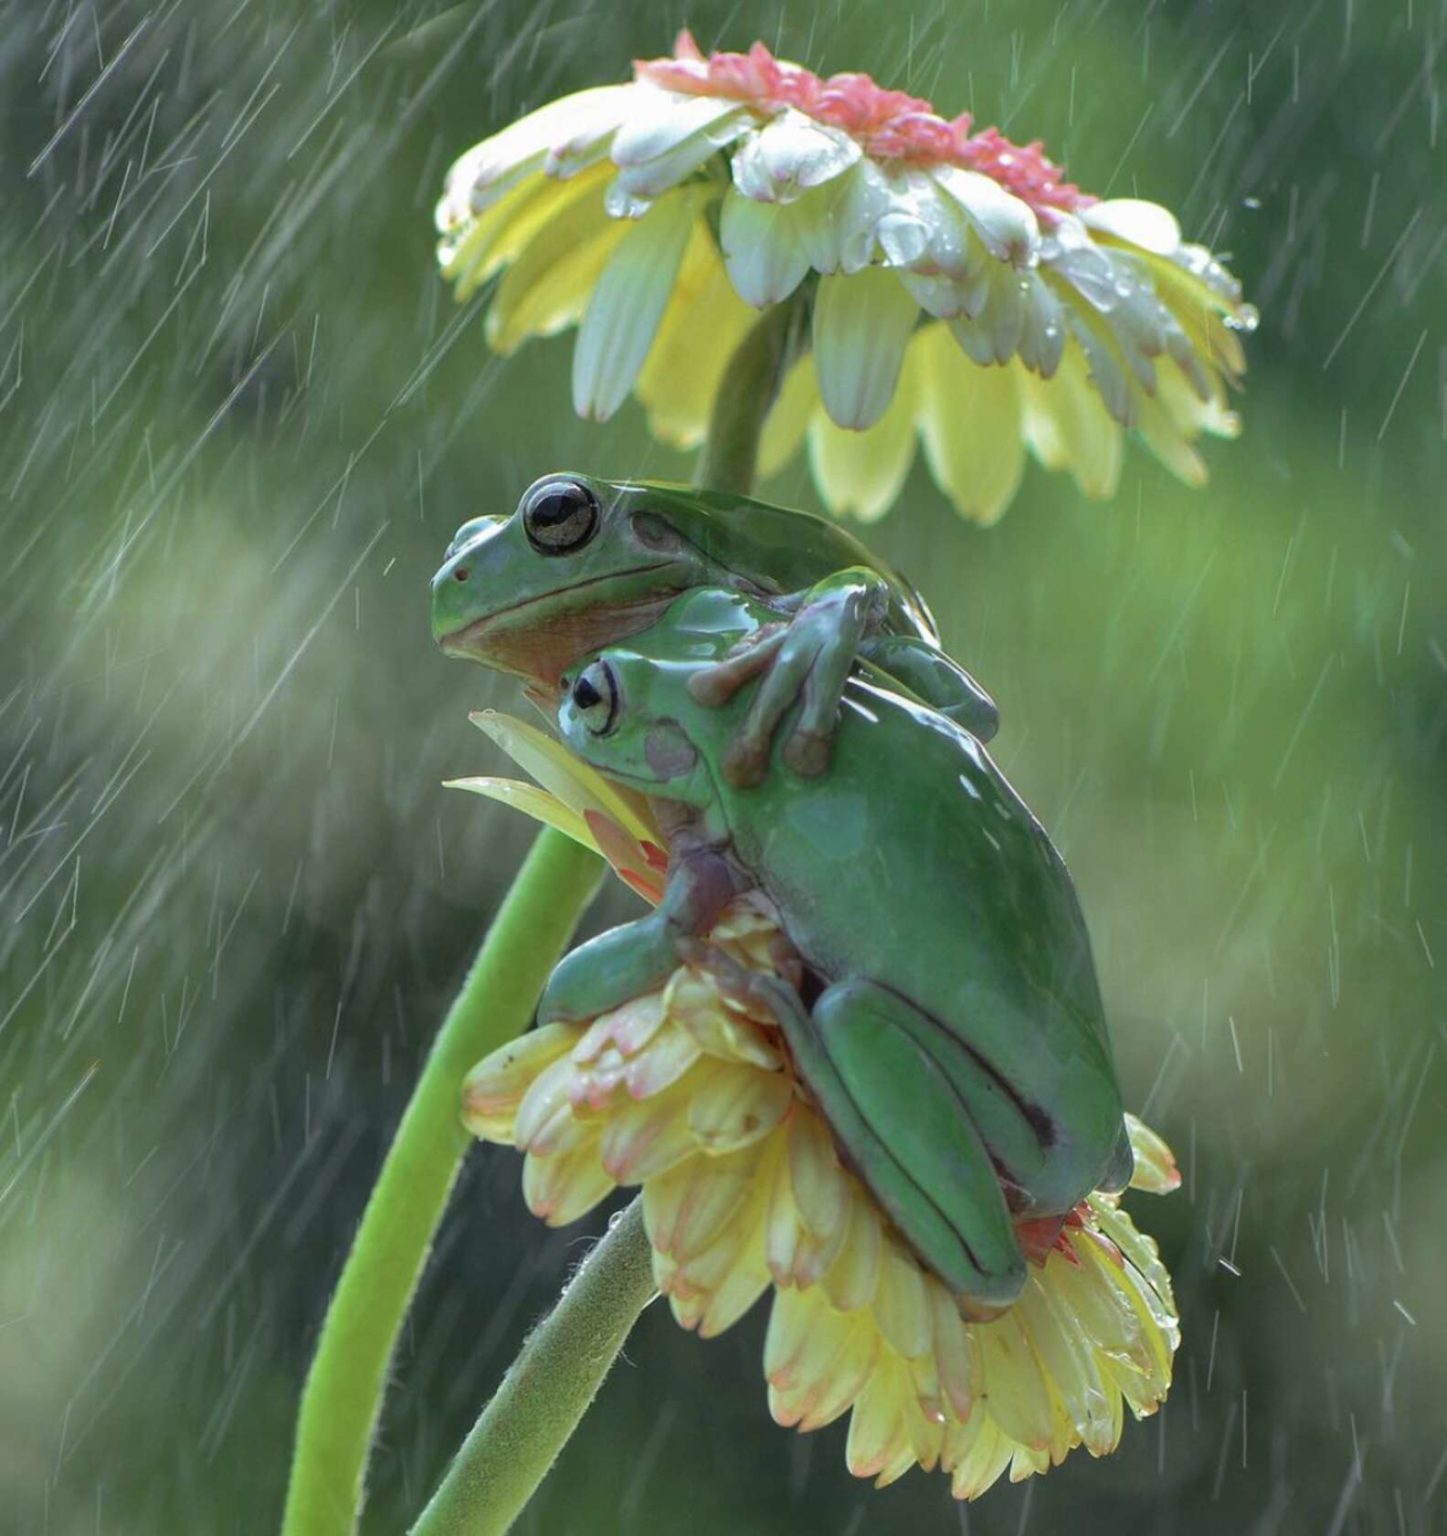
(805, 662)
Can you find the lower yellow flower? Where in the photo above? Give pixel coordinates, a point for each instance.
(690, 1095)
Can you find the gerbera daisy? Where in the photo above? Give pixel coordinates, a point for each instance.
(961, 291)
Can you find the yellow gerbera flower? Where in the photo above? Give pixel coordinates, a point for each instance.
(966, 293)
(689, 1094)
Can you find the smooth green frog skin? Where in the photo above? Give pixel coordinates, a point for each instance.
(958, 1041)
(585, 562)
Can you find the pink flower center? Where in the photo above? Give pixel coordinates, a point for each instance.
(888, 125)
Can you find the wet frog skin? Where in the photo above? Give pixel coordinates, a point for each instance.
(583, 562)
(954, 1033)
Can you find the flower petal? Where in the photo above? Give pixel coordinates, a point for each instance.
(762, 248)
(971, 421)
(862, 324)
(627, 305)
(679, 381)
(1132, 219)
(1007, 225)
(1067, 426)
(1155, 1163)
(859, 474)
(789, 156)
(788, 419)
(493, 1090)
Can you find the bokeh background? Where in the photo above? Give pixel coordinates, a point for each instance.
(239, 419)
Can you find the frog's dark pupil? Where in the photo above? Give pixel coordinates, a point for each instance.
(585, 695)
(560, 517)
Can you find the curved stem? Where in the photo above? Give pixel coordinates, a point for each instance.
(748, 389)
(344, 1389)
(547, 1390)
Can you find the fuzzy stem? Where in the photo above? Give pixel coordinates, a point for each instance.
(748, 389)
(550, 1385)
(344, 1389)
(547, 1390)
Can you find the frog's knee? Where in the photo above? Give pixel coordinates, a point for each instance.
(807, 752)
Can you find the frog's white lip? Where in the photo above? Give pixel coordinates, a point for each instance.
(457, 639)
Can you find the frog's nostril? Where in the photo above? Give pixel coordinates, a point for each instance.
(461, 573)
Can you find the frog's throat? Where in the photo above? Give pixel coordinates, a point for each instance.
(539, 639)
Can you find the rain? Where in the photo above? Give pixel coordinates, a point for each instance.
(240, 419)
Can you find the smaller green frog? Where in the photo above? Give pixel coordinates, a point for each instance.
(950, 1023)
(585, 562)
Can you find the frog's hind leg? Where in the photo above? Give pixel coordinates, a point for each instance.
(899, 1123)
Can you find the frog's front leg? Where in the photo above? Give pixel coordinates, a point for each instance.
(934, 679)
(900, 1123)
(636, 958)
(811, 659)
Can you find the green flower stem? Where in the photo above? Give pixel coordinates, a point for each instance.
(548, 1388)
(748, 389)
(343, 1393)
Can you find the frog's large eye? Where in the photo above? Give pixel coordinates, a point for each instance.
(595, 697)
(559, 515)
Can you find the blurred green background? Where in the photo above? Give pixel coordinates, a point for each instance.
(241, 418)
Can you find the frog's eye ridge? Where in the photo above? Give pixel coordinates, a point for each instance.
(595, 697)
(559, 514)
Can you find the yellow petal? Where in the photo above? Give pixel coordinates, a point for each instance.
(971, 421)
(1067, 425)
(1155, 1164)
(580, 787)
(548, 286)
(853, 1278)
(703, 324)
(561, 1189)
(737, 1106)
(861, 474)
(493, 1090)
(532, 801)
(788, 418)
(1012, 1388)
(901, 1303)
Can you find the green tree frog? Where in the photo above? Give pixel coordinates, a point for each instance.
(950, 1023)
(583, 562)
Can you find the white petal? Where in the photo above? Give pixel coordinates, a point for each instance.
(762, 247)
(646, 179)
(791, 155)
(970, 420)
(1106, 373)
(843, 238)
(659, 122)
(627, 305)
(860, 474)
(1007, 225)
(586, 118)
(862, 324)
(1042, 334)
(991, 332)
(1147, 225)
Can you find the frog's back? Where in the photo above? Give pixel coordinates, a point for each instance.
(793, 548)
(915, 864)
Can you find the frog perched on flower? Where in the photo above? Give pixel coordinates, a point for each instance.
(692, 1088)
(959, 288)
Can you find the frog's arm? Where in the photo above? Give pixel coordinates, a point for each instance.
(900, 1121)
(808, 660)
(638, 957)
